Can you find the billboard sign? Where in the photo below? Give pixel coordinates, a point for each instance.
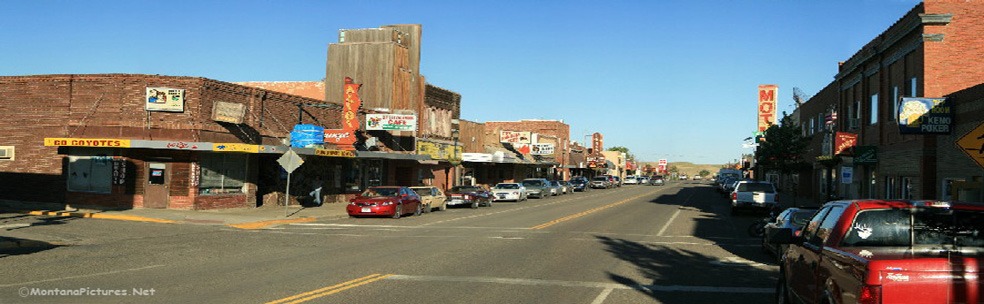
(391, 122)
(542, 149)
(767, 106)
(164, 99)
(925, 116)
(515, 137)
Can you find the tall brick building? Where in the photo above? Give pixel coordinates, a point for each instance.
(934, 50)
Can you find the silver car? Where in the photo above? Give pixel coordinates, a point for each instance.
(537, 187)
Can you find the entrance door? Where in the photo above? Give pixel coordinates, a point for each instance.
(158, 181)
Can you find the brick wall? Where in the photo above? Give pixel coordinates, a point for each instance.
(546, 127)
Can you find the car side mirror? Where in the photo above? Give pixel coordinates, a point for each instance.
(784, 236)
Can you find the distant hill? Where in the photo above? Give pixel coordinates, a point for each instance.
(691, 169)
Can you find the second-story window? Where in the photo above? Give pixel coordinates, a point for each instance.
(874, 110)
(895, 103)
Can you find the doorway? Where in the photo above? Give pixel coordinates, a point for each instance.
(158, 182)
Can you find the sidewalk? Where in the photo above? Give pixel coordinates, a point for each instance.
(243, 218)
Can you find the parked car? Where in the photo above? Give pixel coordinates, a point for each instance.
(683, 177)
(885, 251)
(631, 180)
(657, 181)
(473, 196)
(753, 195)
(644, 180)
(431, 197)
(509, 192)
(580, 183)
(555, 188)
(616, 181)
(385, 200)
(537, 187)
(791, 218)
(601, 182)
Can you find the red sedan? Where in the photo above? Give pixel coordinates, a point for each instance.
(385, 200)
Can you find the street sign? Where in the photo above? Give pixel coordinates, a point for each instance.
(290, 161)
(973, 144)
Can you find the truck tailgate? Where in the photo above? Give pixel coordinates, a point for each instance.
(956, 286)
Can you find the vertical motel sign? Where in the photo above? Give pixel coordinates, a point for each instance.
(767, 106)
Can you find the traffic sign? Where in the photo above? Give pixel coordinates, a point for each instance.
(973, 144)
(290, 161)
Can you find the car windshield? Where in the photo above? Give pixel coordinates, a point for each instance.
(934, 227)
(802, 216)
(381, 192)
(600, 179)
(507, 186)
(756, 187)
(535, 183)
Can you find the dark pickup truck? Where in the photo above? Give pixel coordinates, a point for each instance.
(885, 251)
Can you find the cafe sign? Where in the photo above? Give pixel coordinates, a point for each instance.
(515, 137)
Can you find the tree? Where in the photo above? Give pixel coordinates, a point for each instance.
(783, 147)
(704, 173)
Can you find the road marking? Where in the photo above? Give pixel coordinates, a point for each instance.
(613, 286)
(264, 224)
(82, 276)
(321, 292)
(667, 225)
(604, 295)
(577, 215)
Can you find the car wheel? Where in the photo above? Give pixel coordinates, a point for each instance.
(427, 208)
(419, 210)
(444, 206)
(474, 205)
(398, 212)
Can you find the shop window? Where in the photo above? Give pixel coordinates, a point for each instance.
(222, 173)
(90, 173)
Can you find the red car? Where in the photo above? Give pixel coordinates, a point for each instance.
(385, 200)
(885, 251)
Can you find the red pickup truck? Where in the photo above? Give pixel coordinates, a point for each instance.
(885, 251)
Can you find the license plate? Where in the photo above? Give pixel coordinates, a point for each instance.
(366, 209)
(502, 196)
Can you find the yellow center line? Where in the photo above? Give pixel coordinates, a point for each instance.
(317, 293)
(577, 215)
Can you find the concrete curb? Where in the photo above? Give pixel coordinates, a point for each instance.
(118, 217)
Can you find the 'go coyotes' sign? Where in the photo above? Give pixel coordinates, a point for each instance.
(767, 106)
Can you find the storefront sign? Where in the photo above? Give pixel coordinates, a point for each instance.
(164, 99)
(228, 112)
(844, 141)
(438, 150)
(119, 171)
(333, 153)
(345, 137)
(234, 147)
(87, 142)
(866, 155)
(925, 116)
(541, 149)
(847, 175)
(340, 137)
(597, 142)
(515, 137)
(391, 122)
(766, 106)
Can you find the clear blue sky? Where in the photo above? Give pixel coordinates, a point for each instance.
(667, 79)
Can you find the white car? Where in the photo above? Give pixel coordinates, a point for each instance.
(630, 180)
(509, 192)
(753, 195)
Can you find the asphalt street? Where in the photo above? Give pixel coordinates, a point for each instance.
(635, 244)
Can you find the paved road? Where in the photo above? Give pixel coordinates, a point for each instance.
(635, 244)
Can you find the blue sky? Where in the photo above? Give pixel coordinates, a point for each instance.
(666, 79)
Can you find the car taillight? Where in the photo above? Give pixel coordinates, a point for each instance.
(870, 294)
(734, 196)
(468, 197)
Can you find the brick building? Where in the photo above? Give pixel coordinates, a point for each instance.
(109, 141)
(933, 51)
(554, 131)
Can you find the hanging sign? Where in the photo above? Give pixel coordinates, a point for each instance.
(391, 122)
(844, 141)
(925, 116)
(766, 106)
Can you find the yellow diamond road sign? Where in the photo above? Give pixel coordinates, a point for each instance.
(973, 144)
(290, 161)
